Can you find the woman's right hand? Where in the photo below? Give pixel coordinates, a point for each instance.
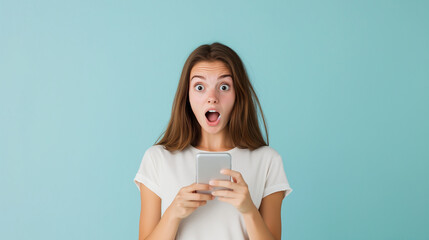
(187, 200)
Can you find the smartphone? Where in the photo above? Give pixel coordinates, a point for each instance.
(209, 166)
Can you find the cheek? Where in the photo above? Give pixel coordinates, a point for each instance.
(231, 101)
(194, 100)
(191, 100)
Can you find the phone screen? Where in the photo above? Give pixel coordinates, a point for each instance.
(208, 168)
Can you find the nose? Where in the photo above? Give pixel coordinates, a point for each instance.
(212, 101)
(212, 97)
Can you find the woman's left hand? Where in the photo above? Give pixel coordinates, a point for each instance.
(239, 197)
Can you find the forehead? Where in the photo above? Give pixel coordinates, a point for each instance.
(212, 67)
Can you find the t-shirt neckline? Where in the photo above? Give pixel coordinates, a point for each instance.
(196, 149)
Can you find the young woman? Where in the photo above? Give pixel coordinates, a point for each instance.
(214, 110)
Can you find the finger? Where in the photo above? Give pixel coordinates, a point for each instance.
(236, 175)
(191, 204)
(222, 183)
(196, 186)
(197, 196)
(225, 193)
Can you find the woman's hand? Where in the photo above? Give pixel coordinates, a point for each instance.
(239, 197)
(187, 200)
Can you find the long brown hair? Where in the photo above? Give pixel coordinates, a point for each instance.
(183, 128)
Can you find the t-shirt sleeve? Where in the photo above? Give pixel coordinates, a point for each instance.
(148, 173)
(276, 177)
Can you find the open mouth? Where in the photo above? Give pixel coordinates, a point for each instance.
(212, 116)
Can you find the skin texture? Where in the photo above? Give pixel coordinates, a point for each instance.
(217, 92)
(211, 87)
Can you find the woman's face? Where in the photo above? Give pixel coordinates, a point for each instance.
(211, 95)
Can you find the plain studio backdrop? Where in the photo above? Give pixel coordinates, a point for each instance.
(87, 86)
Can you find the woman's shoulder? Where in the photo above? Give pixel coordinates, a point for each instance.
(156, 149)
(161, 150)
(155, 152)
(266, 151)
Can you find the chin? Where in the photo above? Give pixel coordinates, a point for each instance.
(212, 130)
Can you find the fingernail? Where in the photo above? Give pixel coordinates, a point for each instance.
(212, 182)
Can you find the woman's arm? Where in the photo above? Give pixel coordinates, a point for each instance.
(152, 226)
(239, 197)
(266, 223)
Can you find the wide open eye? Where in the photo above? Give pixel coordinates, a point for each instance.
(199, 87)
(224, 87)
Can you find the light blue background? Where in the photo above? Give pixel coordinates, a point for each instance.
(87, 86)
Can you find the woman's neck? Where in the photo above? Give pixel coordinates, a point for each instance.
(215, 142)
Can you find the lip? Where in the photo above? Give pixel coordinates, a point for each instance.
(208, 109)
(212, 124)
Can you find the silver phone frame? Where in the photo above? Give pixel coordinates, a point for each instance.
(208, 165)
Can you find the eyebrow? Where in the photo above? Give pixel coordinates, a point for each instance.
(222, 76)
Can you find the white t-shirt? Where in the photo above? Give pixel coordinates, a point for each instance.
(165, 173)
